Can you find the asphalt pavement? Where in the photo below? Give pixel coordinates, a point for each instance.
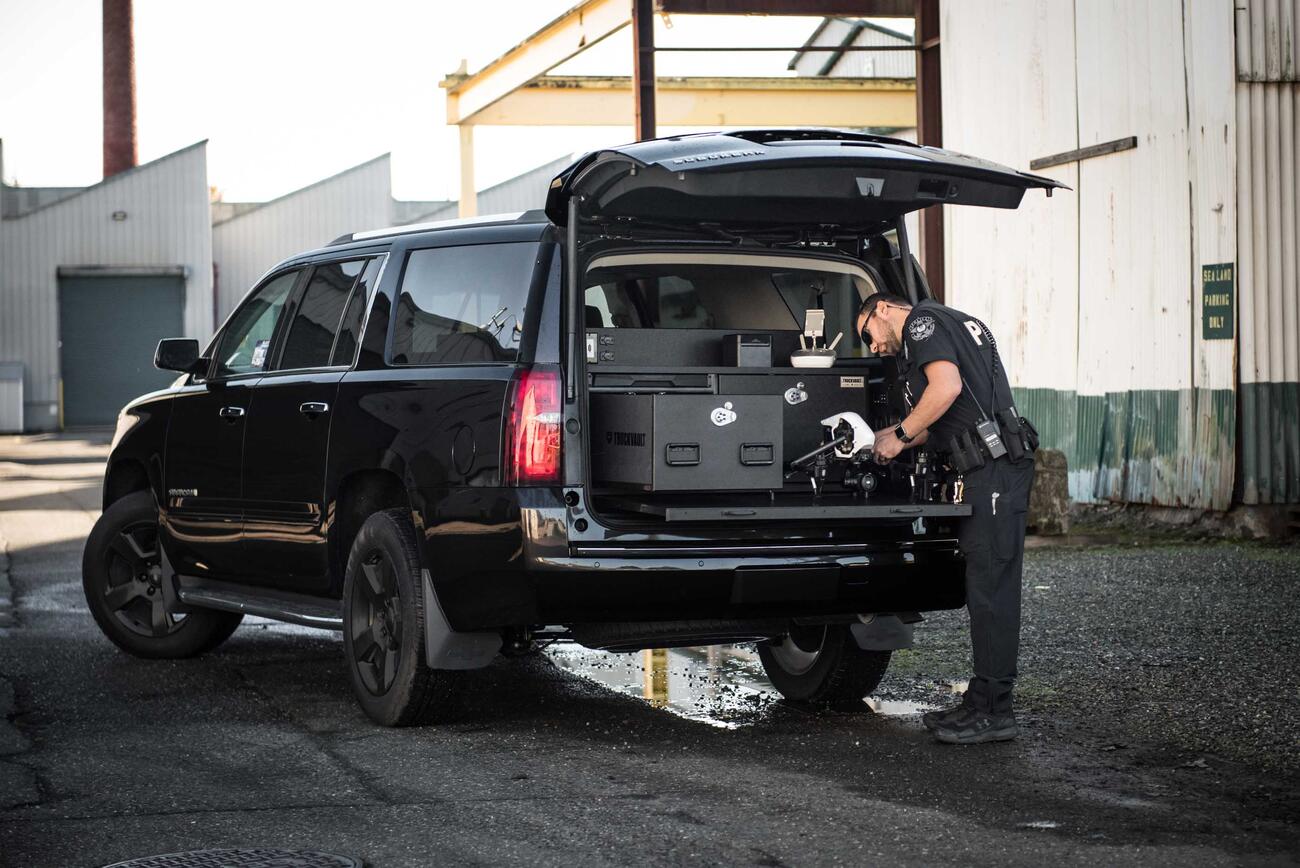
(1158, 703)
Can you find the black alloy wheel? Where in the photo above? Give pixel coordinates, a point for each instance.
(134, 591)
(122, 577)
(384, 623)
(376, 624)
(822, 665)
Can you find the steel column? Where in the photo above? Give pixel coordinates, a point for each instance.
(643, 67)
(929, 131)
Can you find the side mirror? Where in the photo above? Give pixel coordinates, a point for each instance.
(179, 354)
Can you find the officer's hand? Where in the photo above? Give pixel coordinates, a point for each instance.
(887, 445)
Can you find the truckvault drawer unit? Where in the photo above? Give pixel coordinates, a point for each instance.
(687, 442)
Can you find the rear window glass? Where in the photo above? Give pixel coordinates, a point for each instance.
(312, 334)
(463, 305)
(723, 296)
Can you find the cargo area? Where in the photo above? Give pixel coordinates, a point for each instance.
(716, 383)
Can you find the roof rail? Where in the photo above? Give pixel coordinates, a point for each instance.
(534, 216)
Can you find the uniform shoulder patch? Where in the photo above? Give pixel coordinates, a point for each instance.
(920, 328)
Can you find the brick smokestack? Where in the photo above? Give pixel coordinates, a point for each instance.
(119, 88)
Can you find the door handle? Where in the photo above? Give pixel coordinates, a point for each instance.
(230, 412)
(314, 408)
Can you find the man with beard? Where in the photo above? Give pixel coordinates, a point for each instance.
(960, 406)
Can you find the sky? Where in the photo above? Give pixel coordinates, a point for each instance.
(288, 91)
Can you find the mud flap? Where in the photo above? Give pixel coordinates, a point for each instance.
(882, 633)
(445, 648)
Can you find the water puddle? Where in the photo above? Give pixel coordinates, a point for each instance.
(721, 685)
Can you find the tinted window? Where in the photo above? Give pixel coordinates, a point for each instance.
(311, 336)
(688, 296)
(462, 305)
(345, 348)
(838, 295)
(247, 338)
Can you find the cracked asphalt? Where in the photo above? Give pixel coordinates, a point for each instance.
(1158, 706)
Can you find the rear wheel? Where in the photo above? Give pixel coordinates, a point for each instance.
(822, 665)
(122, 576)
(383, 627)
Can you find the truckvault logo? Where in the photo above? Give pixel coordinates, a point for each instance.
(182, 492)
(625, 438)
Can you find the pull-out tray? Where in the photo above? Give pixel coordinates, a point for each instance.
(760, 507)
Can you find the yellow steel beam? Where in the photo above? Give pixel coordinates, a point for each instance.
(709, 102)
(581, 27)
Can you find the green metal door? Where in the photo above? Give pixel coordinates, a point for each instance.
(109, 327)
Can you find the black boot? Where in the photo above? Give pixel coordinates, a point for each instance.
(974, 726)
(931, 719)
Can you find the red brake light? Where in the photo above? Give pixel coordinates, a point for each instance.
(532, 441)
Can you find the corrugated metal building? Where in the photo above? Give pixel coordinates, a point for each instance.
(88, 279)
(1123, 307)
(520, 193)
(246, 244)
(846, 32)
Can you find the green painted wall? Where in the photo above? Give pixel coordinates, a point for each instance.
(1270, 442)
(1173, 447)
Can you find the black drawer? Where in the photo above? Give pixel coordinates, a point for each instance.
(687, 442)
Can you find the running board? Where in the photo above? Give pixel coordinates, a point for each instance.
(319, 612)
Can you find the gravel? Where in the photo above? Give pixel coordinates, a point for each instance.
(1190, 647)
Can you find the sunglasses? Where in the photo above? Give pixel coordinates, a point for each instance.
(866, 337)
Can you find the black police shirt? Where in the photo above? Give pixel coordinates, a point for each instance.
(932, 333)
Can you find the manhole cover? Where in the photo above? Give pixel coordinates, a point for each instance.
(242, 858)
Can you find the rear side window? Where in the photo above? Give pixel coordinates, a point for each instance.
(463, 305)
(314, 327)
(345, 348)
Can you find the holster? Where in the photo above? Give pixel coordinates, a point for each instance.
(1018, 433)
(965, 453)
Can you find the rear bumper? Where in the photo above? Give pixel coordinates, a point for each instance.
(657, 586)
(529, 559)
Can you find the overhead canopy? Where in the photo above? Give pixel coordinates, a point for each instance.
(780, 178)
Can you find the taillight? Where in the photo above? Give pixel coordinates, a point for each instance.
(532, 436)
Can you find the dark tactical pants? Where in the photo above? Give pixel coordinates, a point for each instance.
(993, 540)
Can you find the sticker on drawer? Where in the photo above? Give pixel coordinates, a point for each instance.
(853, 382)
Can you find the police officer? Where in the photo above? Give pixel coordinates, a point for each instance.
(960, 406)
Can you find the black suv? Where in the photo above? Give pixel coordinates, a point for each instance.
(621, 421)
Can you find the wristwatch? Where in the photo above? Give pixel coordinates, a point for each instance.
(901, 434)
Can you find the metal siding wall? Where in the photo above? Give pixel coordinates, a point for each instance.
(1268, 196)
(167, 224)
(1094, 294)
(1017, 270)
(859, 64)
(524, 192)
(1209, 458)
(246, 246)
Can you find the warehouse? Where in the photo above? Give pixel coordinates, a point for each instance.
(90, 279)
(1149, 317)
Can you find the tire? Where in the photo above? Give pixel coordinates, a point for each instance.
(383, 628)
(121, 575)
(823, 666)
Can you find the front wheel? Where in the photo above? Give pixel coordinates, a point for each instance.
(122, 576)
(383, 627)
(822, 665)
